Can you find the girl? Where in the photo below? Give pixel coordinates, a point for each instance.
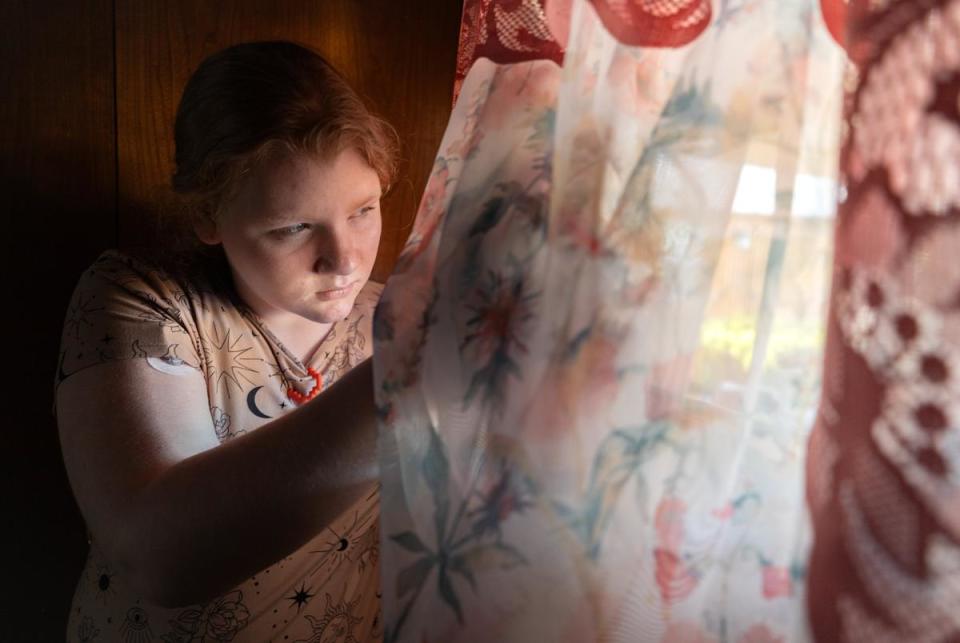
(216, 412)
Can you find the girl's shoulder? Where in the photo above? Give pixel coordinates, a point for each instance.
(165, 275)
(129, 305)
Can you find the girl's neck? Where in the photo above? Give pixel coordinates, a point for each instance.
(301, 336)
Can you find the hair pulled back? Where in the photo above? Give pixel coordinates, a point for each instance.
(250, 101)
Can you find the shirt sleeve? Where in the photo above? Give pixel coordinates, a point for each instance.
(123, 308)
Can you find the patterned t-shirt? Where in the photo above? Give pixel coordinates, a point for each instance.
(127, 308)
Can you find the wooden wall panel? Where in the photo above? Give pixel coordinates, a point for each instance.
(58, 167)
(400, 55)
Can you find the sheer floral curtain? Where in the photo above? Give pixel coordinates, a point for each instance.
(599, 357)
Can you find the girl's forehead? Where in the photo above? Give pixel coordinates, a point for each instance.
(299, 184)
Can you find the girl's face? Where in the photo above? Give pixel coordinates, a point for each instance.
(301, 236)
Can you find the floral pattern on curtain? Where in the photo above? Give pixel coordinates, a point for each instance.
(599, 356)
(884, 461)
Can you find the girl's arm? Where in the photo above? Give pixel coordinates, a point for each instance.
(186, 518)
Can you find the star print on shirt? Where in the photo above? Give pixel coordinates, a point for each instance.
(301, 597)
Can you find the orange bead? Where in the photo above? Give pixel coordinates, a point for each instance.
(300, 398)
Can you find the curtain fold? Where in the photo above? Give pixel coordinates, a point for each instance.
(599, 357)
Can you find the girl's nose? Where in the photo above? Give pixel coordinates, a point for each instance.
(336, 255)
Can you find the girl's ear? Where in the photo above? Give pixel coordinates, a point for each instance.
(206, 228)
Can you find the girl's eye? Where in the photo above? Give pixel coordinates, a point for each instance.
(364, 212)
(291, 230)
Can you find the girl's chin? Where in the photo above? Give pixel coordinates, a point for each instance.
(331, 312)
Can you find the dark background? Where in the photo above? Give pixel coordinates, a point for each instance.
(89, 91)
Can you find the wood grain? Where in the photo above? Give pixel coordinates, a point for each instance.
(399, 55)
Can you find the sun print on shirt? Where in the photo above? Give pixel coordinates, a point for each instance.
(358, 543)
(336, 625)
(239, 367)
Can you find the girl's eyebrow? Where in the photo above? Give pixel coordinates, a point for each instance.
(372, 196)
(285, 216)
(280, 217)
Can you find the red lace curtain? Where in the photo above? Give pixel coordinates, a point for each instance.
(883, 473)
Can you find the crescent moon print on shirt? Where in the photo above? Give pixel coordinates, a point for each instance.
(252, 403)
